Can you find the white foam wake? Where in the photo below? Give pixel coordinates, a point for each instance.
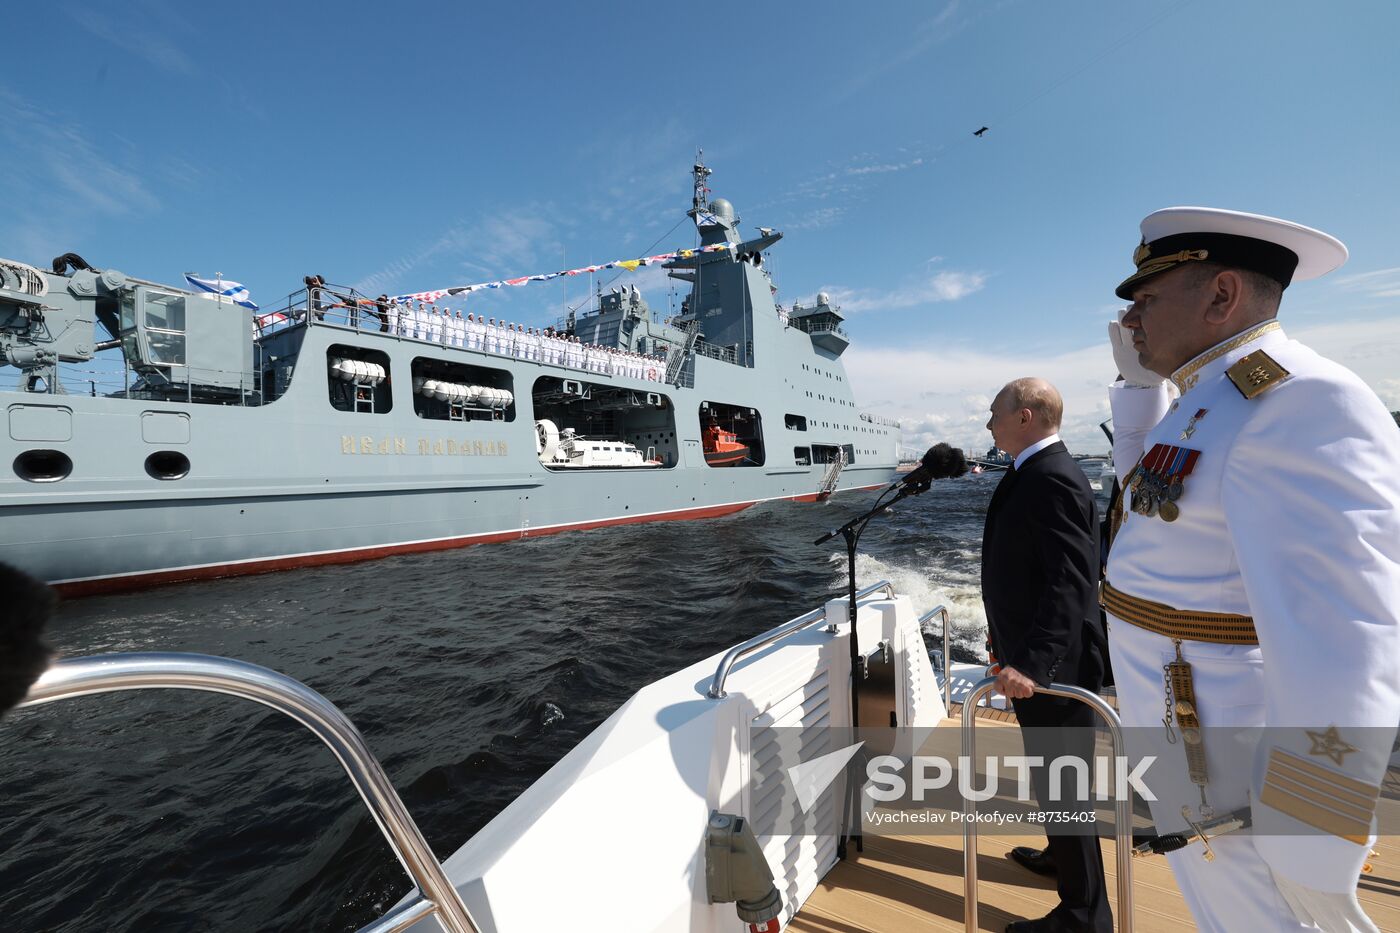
(928, 588)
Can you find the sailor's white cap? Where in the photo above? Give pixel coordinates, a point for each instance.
(1284, 251)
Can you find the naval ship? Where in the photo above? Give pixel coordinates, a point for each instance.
(224, 442)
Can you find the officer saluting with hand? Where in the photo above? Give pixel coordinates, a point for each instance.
(1255, 578)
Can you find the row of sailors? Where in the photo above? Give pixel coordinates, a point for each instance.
(524, 343)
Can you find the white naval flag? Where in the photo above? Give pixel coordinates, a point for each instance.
(223, 287)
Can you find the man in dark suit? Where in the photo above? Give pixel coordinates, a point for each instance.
(1040, 571)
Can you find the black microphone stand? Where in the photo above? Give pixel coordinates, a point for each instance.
(851, 531)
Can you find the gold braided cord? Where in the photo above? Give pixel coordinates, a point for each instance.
(1185, 377)
(1221, 628)
(1151, 265)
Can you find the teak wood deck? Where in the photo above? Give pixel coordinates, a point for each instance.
(915, 882)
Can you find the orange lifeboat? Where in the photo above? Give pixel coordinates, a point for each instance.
(722, 448)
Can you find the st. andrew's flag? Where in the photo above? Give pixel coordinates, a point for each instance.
(223, 287)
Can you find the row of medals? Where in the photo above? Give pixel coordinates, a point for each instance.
(1156, 495)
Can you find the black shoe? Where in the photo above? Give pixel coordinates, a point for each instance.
(1039, 861)
(1047, 924)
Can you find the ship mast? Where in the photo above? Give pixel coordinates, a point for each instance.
(701, 199)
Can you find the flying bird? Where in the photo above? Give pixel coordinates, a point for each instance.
(981, 131)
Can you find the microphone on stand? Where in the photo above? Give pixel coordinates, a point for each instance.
(939, 462)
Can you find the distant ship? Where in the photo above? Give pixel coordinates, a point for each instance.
(220, 448)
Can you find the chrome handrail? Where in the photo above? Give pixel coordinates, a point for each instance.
(947, 658)
(141, 670)
(1123, 810)
(731, 657)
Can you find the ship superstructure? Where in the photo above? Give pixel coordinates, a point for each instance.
(158, 434)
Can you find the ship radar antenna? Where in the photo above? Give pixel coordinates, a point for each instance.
(701, 201)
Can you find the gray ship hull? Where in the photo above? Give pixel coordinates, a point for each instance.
(270, 480)
(294, 483)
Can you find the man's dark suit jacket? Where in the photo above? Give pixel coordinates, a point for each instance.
(1040, 572)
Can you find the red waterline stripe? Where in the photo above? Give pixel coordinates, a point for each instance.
(141, 581)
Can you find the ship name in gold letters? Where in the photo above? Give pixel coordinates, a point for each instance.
(442, 447)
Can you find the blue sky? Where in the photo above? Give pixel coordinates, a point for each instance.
(417, 145)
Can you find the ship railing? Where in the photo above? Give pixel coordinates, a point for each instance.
(833, 473)
(1122, 805)
(676, 367)
(759, 642)
(723, 354)
(330, 304)
(946, 657)
(95, 379)
(434, 895)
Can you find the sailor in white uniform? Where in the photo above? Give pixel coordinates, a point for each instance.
(1255, 578)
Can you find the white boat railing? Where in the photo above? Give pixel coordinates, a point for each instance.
(947, 657)
(110, 673)
(1122, 806)
(732, 656)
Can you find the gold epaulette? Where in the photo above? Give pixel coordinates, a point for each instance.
(1256, 373)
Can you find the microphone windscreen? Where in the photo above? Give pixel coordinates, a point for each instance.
(944, 462)
(23, 655)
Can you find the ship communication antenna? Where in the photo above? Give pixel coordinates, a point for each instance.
(700, 173)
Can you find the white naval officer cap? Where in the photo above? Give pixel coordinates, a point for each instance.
(1282, 250)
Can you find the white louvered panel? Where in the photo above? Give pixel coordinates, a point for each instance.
(802, 718)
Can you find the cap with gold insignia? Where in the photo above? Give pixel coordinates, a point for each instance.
(1280, 249)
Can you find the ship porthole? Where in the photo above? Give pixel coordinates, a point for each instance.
(43, 466)
(168, 464)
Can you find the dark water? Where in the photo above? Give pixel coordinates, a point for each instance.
(469, 672)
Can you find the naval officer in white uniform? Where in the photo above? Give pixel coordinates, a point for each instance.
(1255, 579)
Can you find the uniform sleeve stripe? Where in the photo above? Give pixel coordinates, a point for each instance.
(1282, 762)
(1318, 817)
(1345, 808)
(1312, 784)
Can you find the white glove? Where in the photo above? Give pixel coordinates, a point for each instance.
(1134, 373)
(1332, 912)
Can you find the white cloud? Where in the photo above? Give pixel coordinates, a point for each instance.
(943, 395)
(510, 243)
(816, 219)
(942, 286)
(883, 168)
(139, 33)
(938, 28)
(69, 177)
(1380, 283)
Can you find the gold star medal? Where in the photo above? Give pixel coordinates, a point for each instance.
(1191, 425)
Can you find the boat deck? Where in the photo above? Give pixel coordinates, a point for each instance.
(915, 882)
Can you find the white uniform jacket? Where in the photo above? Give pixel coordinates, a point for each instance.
(1291, 515)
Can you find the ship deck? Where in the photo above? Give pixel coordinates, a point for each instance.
(915, 882)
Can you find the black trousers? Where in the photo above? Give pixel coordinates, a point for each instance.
(1053, 728)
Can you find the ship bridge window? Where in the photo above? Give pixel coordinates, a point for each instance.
(731, 435)
(454, 391)
(153, 326)
(795, 422)
(590, 426)
(358, 379)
